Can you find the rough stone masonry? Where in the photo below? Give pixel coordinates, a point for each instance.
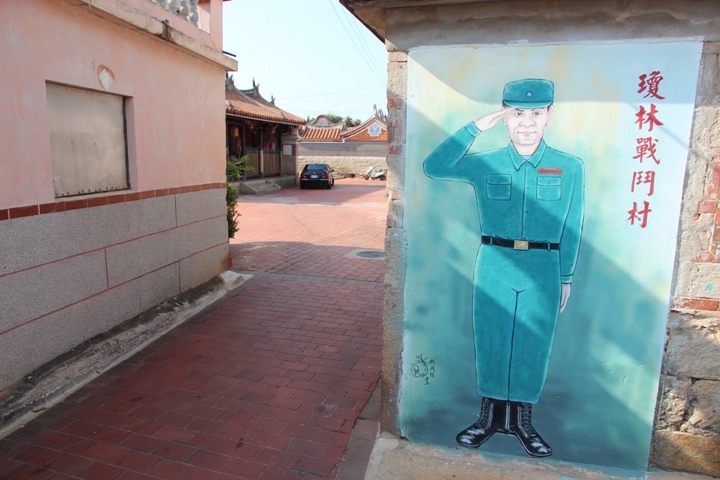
(687, 424)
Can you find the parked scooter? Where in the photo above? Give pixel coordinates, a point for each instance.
(371, 174)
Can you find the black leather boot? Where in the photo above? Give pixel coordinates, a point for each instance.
(520, 425)
(491, 420)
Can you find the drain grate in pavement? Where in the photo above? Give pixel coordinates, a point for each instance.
(371, 254)
(367, 254)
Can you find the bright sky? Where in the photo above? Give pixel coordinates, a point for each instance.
(312, 55)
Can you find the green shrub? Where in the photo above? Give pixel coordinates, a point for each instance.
(237, 168)
(243, 165)
(232, 216)
(232, 172)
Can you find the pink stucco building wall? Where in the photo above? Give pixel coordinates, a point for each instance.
(73, 267)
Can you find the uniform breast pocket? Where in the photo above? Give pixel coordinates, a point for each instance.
(549, 188)
(498, 187)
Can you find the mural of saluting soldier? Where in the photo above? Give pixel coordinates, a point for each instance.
(530, 205)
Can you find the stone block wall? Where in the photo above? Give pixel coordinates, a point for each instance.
(345, 165)
(75, 269)
(395, 243)
(350, 157)
(687, 426)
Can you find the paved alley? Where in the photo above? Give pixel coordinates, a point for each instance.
(266, 384)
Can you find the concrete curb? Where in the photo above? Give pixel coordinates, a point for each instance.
(384, 444)
(396, 459)
(52, 382)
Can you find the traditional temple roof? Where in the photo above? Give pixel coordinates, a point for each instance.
(322, 129)
(324, 121)
(321, 134)
(250, 104)
(374, 129)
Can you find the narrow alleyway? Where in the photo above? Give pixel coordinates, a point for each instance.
(265, 384)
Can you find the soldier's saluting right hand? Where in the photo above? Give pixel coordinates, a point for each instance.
(487, 121)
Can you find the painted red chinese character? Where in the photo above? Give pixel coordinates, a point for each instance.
(651, 84)
(646, 148)
(641, 177)
(651, 119)
(640, 216)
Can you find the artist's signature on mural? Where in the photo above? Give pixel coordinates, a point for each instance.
(423, 367)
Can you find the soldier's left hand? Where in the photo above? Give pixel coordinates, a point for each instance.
(564, 295)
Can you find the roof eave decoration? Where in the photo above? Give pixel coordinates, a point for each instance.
(250, 104)
(377, 117)
(321, 134)
(372, 13)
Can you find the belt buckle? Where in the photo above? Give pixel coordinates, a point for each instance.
(521, 245)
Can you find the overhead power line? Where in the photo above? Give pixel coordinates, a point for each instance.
(354, 23)
(362, 55)
(333, 93)
(347, 101)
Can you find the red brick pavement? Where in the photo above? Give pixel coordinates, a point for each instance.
(266, 384)
(349, 216)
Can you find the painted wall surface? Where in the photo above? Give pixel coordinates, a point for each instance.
(375, 132)
(599, 395)
(74, 267)
(56, 42)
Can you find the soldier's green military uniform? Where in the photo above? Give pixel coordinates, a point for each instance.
(531, 212)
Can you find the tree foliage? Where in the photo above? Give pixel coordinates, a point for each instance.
(349, 122)
(334, 118)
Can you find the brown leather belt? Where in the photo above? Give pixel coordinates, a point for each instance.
(518, 244)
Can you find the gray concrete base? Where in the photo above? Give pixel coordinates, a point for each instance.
(362, 440)
(258, 186)
(57, 379)
(285, 181)
(395, 459)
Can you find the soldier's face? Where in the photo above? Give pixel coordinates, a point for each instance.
(526, 126)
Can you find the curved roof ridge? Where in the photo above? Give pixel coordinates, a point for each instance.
(314, 133)
(354, 130)
(239, 102)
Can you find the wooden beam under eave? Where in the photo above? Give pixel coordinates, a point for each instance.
(372, 17)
